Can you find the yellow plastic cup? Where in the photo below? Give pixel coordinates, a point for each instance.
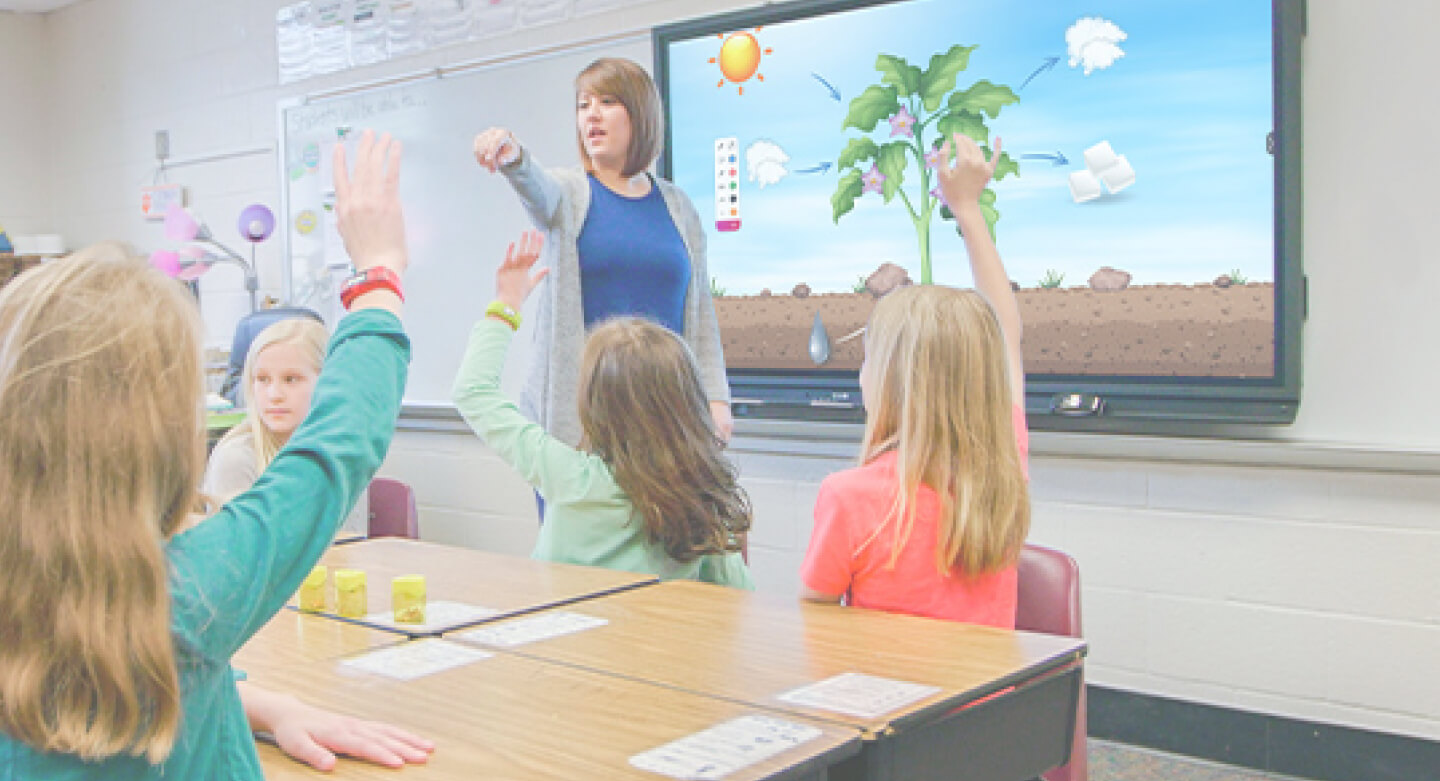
(312, 590)
(407, 599)
(351, 600)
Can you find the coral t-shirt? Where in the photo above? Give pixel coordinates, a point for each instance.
(853, 503)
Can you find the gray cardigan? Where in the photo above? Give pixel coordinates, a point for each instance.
(557, 200)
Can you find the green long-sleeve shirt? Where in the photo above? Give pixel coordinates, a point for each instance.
(232, 572)
(588, 519)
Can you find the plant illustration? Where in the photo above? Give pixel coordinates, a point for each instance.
(916, 104)
(715, 290)
(1052, 278)
(859, 286)
(1237, 278)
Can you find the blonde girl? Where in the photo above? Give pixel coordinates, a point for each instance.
(933, 520)
(117, 630)
(281, 368)
(648, 489)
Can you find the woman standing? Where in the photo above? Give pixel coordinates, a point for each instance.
(618, 241)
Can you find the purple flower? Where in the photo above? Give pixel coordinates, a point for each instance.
(939, 196)
(874, 180)
(934, 158)
(901, 124)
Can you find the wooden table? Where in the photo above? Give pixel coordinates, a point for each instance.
(512, 717)
(294, 640)
(752, 648)
(509, 585)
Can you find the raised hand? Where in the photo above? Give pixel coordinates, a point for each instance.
(367, 203)
(514, 279)
(495, 147)
(963, 182)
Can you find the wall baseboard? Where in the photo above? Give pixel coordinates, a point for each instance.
(1274, 744)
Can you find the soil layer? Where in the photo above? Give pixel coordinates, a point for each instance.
(1153, 330)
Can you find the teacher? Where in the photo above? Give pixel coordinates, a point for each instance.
(618, 241)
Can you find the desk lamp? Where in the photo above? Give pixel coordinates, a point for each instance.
(192, 261)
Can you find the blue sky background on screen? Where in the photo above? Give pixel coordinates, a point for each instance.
(1189, 105)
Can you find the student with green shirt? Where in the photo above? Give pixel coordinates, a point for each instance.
(117, 626)
(649, 489)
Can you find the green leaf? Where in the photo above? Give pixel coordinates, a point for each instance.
(849, 188)
(963, 122)
(1006, 166)
(984, 97)
(991, 216)
(899, 74)
(871, 106)
(987, 197)
(857, 150)
(891, 162)
(939, 78)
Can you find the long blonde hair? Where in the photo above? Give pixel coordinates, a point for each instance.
(101, 451)
(303, 332)
(936, 359)
(644, 413)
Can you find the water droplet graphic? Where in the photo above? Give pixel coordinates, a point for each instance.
(819, 342)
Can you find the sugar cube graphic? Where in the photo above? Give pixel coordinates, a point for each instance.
(1119, 175)
(1102, 165)
(1099, 157)
(1084, 186)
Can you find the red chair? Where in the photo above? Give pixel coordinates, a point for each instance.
(1049, 602)
(392, 509)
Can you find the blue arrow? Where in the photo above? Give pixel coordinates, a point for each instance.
(1045, 66)
(834, 93)
(1057, 158)
(819, 169)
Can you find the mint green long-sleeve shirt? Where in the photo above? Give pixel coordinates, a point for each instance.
(588, 518)
(232, 572)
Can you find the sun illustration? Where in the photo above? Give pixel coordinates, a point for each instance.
(740, 58)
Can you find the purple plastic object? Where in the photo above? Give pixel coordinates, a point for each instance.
(257, 222)
(168, 262)
(179, 225)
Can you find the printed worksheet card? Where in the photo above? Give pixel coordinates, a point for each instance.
(532, 629)
(440, 616)
(418, 659)
(725, 748)
(858, 694)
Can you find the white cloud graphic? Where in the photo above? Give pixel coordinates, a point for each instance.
(765, 162)
(1094, 43)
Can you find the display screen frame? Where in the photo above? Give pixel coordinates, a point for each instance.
(1090, 402)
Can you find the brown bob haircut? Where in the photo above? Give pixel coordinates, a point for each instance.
(626, 81)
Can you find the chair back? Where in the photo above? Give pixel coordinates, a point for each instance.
(392, 509)
(246, 330)
(1049, 602)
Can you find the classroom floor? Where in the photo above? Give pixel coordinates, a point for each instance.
(1119, 762)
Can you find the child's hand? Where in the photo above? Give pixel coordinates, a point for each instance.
(367, 203)
(963, 183)
(514, 280)
(314, 736)
(494, 148)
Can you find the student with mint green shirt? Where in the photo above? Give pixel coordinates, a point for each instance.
(589, 519)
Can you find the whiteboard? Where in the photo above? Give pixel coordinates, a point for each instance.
(459, 217)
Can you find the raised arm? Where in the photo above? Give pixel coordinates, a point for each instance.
(237, 569)
(556, 469)
(962, 183)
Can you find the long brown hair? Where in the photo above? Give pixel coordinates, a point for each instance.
(101, 450)
(632, 86)
(644, 413)
(936, 362)
(303, 332)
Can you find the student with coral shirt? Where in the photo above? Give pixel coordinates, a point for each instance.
(944, 390)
